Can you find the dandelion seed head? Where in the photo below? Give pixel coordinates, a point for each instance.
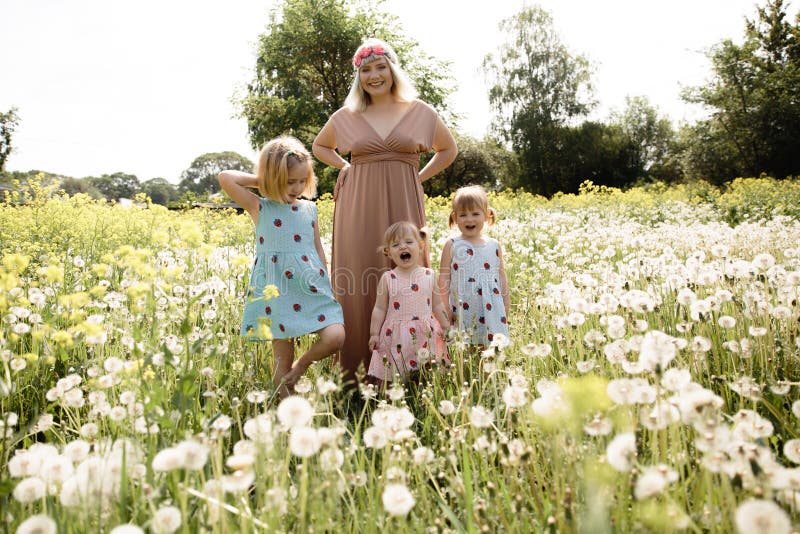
(294, 411)
(759, 515)
(397, 500)
(37, 524)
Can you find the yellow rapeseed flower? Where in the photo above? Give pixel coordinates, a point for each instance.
(100, 269)
(241, 262)
(16, 263)
(98, 291)
(191, 234)
(53, 273)
(74, 300)
(270, 292)
(262, 330)
(138, 290)
(205, 250)
(62, 338)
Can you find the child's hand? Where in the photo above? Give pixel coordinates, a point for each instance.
(373, 342)
(294, 374)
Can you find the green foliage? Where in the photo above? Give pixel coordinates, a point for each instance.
(115, 186)
(538, 85)
(303, 69)
(73, 186)
(8, 123)
(754, 99)
(648, 134)
(482, 162)
(160, 191)
(201, 176)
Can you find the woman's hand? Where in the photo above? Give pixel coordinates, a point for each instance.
(340, 181)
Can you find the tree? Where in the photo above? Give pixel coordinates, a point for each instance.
(160, 191)
(8, 123)
(480, 162)
(201, 176)
(116, 186)
(72, 186)
(304, 70)
(754, 99)
(538, 87)
(649, 136)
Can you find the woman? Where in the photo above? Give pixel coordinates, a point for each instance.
(384, 128)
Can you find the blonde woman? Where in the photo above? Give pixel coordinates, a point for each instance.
(384, 128)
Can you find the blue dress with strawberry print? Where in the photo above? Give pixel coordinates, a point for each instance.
(476, 302)
(287, 258)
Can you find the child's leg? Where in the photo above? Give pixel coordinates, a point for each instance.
(283, 351)
(331, 339)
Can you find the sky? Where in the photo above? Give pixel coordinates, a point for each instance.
(146, 86)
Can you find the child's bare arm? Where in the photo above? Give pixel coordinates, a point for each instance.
(443, 285)
(439, 312)
(235, 184)
(504, 283)
(318, 246)
(378, 313)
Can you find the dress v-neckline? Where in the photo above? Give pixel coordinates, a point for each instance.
(400, 120)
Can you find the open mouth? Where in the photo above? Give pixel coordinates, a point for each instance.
(405, 256)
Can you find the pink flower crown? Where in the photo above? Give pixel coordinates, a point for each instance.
(366, 51)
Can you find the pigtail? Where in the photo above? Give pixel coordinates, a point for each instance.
(491, 216)
(425, 234)
(451, 222)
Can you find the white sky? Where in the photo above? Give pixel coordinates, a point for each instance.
(146, 86)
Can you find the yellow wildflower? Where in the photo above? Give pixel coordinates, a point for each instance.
(16, 263)
(270, 292)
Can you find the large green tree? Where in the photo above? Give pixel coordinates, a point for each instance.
(304, 71)
(754, 101)
(648, 134)
(115, 186)
(73, 186)
(160, 191)
(8, 123)
(483, 162)
(201, 176)
(537, 87)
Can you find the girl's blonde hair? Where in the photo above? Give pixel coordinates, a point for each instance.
(402, 86)
(274, 162)
(398, 231)
(469, 198)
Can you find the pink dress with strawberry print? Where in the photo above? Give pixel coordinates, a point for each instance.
(410, 335)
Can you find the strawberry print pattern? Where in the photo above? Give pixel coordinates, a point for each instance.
(287, 258)
(409, 327)
(475, 296)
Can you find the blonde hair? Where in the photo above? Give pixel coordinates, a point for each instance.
(398, 231)
(274, 162)
(471, 197)
(402, 86)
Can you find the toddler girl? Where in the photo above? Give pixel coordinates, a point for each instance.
(472, 276)
(408, 317)
(289, 255)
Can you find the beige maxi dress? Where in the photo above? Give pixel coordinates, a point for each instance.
(381, 187)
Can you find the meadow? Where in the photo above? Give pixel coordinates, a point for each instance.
(651, 379)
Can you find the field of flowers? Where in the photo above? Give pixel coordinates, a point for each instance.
(651, 379)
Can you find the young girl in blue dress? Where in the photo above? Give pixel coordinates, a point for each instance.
(289, 255)
(472, 275)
